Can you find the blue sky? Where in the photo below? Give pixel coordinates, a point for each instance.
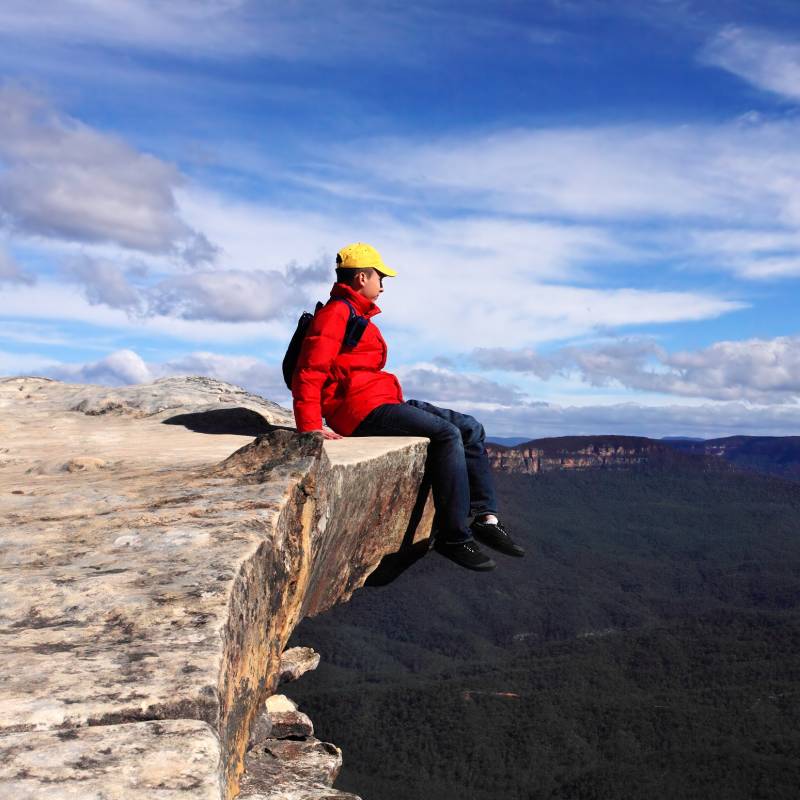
(593, 207)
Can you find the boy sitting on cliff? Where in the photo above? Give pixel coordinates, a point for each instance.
(347, 385)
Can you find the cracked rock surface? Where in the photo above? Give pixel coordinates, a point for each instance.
(141, 761)
(283, 769)
(159, 544)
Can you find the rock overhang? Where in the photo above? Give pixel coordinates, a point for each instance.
(163, 581)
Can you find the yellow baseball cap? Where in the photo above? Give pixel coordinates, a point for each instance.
(362, 256)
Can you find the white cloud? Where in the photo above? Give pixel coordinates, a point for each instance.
(706, 421)
(504, 411)
(440, 385)
(124, 367)
(766, 254)
(234, 29)
(226, 295)
(10, 270)
(761, 58)
(105, 283)
(116, 369)
(58, 302)
(190, 25)
(251, 373)
(27, 333)
(763, 371)
(758, 370)
(459, 311)
(483, 276)
(745, 169)
(60, 178)
(600, 183)
(24, 363)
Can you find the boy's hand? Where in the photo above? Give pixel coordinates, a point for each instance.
(329, 434)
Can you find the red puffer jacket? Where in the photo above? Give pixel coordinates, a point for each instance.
(341, 386)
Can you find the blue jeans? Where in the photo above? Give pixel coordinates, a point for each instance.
(457, 465)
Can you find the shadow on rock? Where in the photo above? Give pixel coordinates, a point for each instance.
(395, 564)
(231, 421)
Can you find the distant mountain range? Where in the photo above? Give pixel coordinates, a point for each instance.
(774, 455)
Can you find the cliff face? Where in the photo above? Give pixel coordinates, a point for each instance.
(774, 455)
(591, 452)
(156, 558)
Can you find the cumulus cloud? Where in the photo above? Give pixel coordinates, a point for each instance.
(318, 271)
(525, 359)
(233, 296)
(227, 295)
(761, 58)
(60, 178)
(756, 369)
(105, 282)
(440, 385)
(117, 369)
(765, 371)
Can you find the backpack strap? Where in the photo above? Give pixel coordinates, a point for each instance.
(352, 335)
(355, 325)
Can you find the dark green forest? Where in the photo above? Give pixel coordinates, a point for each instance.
(647, 647)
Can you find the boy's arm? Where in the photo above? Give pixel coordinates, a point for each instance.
(320, 347)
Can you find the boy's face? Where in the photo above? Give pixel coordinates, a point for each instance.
(372, 286)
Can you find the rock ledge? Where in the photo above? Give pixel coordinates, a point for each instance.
(156, 558)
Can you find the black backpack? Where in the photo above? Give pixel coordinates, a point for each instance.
(352, 335)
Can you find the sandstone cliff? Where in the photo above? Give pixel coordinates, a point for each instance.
(159, 545)
(593, 452)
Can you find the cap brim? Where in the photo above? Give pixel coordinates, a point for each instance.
(388, 271)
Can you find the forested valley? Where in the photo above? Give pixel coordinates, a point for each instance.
(648, 646)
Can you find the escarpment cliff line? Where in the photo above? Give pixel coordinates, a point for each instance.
(592, 452)
(159, 545)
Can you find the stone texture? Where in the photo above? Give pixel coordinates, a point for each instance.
(289, 770)
(296, 661)
(279, 719)
(290, 724)
(260, 729)
(141, 761)
(189, 395)
(278, 703)
(161, 576)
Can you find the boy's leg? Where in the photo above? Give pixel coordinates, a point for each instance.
(482, 495)
(446, 464)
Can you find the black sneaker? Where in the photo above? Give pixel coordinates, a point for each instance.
(466, 554)
(496, 536)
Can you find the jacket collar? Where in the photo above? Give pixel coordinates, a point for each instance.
(366, 308)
